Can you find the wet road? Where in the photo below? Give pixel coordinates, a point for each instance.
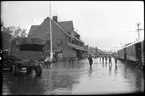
(78, 78)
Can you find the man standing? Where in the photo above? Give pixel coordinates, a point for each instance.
(90, 60)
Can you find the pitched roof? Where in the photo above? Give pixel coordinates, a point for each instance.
(67, 25)
(67, 32)
(62, 29)
(33, 29)
(76, 33)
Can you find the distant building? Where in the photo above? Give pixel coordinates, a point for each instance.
(94, 51)
(65, 41)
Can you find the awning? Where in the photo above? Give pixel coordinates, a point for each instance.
(26, 40)
(78, 47)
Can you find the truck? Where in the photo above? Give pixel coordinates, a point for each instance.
(26, 53)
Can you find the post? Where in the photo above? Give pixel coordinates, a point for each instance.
(51, 53)
(138, 31)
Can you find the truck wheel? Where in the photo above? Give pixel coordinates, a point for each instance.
(14, 71)
(38, 70)
(10, 68)
(29, 70)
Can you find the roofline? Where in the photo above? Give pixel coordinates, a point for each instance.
(56, 24)
(78, 39)
(66, 32)
(62, 28)
(132, 43)
(76, 32)
(65, 21)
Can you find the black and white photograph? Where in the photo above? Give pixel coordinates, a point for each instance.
(72, 47)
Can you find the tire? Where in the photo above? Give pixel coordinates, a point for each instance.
(10, 63)
(10, 68)
(14, 71)
(29, 70)
(38, 70)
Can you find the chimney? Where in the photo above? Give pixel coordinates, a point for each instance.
(55, 18)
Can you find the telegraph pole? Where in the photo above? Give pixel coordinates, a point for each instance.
(138, 24)
(51, 52)
(138, 30)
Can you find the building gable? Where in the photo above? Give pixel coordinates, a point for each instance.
(34, 31)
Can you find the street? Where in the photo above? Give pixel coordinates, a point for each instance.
(78, 78)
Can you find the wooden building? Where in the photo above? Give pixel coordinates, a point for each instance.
(66, 41)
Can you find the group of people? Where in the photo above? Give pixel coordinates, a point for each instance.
(103, 58)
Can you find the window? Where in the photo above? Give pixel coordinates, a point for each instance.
(59, 42)
(31, 47)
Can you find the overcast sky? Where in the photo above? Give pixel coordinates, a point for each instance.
(106, 24)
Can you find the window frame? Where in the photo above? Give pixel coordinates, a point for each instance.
(59, 42)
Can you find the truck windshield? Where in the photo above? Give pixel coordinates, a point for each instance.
(31, 47)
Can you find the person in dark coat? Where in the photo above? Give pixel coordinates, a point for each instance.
(90, 60)
(115, 60)
(106, 58)
(110, 60)
(103, 59)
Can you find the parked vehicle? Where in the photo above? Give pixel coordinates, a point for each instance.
(26, 53)
(133, 52)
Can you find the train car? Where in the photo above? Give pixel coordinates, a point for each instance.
(142, 53)
(121, 54)
(133, 52)
(138, 52)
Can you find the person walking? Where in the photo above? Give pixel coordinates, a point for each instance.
(106, 58)
(110, 60)
(115, 60)
(90, 60)
(102, 59)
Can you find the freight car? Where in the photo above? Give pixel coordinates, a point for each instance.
(133, 53)
(142, 52)
(121, 54)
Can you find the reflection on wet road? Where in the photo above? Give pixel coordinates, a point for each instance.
(78, 78)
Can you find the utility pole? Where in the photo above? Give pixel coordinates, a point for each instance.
(138, 24)
(51, 52)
